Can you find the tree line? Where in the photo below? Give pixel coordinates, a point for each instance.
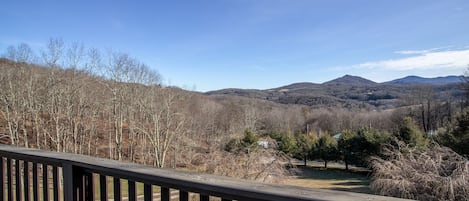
(353, 147)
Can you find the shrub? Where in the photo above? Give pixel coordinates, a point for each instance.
(247, 142)
(457, 137)
(266, 165)
(436, 173)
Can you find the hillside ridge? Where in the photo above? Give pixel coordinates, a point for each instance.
(412, 79)
(351, 92)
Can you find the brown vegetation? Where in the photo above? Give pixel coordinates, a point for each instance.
(436, 173)
(116, 107)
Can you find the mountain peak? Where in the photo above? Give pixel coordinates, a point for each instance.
(350, 80)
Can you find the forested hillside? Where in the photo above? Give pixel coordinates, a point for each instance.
(111, 105)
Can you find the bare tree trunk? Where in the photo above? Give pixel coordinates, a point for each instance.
(25, 134)
(111, 156)
(36, 124)
(423, 118)
(58, 137)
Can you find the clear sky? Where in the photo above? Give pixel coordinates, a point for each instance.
(214, 44)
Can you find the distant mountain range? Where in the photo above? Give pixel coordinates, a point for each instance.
(354, 92)
(434, 81)
(411, 80)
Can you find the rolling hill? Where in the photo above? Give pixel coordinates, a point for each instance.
(355, 92)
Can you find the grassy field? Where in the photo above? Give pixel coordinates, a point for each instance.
(331, 178)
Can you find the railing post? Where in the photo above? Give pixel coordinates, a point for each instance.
(131, 190)
(165, 194)
(73, 183)
(147, 192)
(183, 196)
(45, 182)
(204, 197)
(89, 186)
(17, 180)
(9, 180)
(55, 182)
(103, 187)
(35, 183)
(117, 189)
(26, 180)
(2, 179)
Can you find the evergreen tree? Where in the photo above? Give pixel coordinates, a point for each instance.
(305, 146)
(327, 149)
(348, 146)
(458, 137)
(356, 147)
(288, 144)
(411, 134)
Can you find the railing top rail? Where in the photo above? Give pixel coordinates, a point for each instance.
(229, 188)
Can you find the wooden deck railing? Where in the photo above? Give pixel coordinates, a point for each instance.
(29, 174)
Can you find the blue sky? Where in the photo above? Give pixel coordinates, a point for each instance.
(256, 43)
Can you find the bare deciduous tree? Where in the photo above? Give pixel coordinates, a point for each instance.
(165, 122)
(21, 54)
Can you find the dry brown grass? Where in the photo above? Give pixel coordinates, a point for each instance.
(436, 173)
(332, 178)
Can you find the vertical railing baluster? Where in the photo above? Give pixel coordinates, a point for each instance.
(55, 182)
(131, 189)
(45, 183)
(2, 179)
(165, 194)
(9, 180)
(147, 192)
(73, 186)
(26, 180)
(117, 189)
(17, 180)
(35, 183)
(103, 187)
(204, 197)
(89, 186)
(183, 196)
